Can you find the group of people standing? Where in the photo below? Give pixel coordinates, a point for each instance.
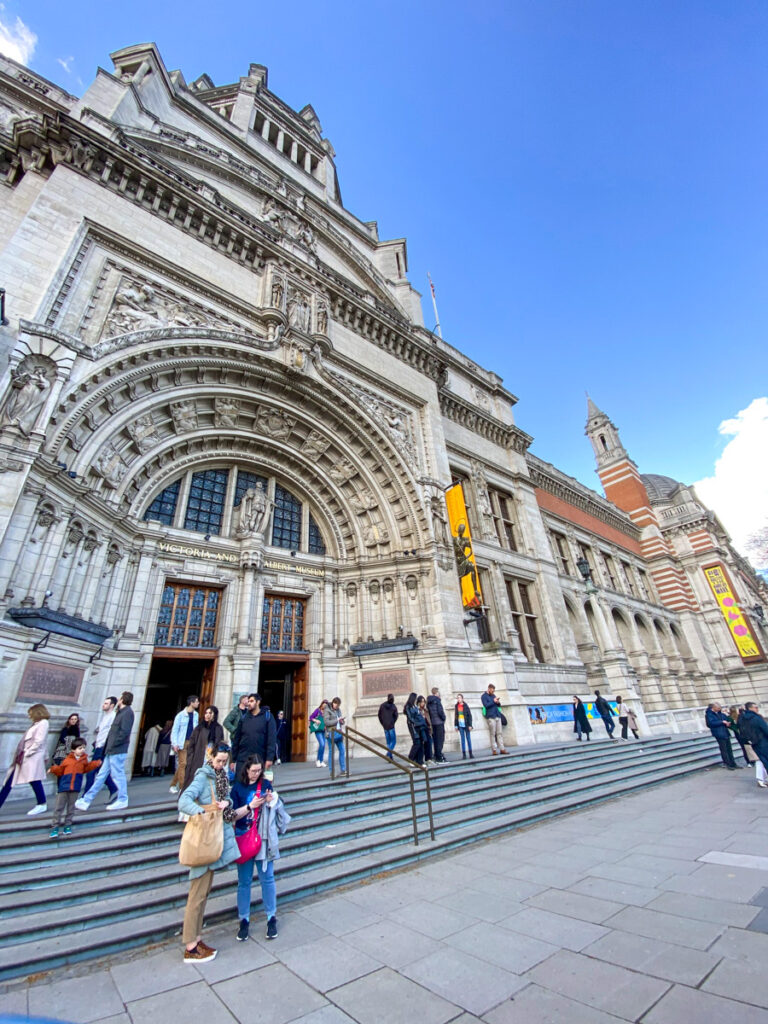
(626, 716)
(750, 730)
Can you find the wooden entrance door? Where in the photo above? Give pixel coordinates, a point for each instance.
(299, 714)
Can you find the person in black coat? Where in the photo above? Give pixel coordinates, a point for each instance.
(754, 730)
(387, 717)
(604, 709)
(716, 720)
(580, 720)
(207, 733)
(436, 713)
(417, 727)
(462, 722)
(256, 734)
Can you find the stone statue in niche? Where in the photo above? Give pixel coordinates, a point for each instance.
(143, 432)
(277, 293)
(315, 445)
(255, 510)
(299, 311)
(109, 463)
(322, 318)
(363, 501)
(226, 411)
(30, 384)
(273, 214)
(439, 519)
(305, 236)
(275, 423)
(184, 415)
(342, 471)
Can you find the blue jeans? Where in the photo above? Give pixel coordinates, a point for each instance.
(320, 737)
(390, 738)
(114, 765)
(266, 871)
(609, 724)
(90, 778)
(466, 740)
(338, 739)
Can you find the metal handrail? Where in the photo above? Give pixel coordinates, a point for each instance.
(409, 768)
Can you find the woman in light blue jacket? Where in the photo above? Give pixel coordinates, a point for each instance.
(210, 785)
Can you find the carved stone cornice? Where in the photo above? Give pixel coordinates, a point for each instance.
(202, 213)
(549, 479)
(467, 415)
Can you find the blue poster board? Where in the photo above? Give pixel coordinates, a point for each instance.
(547, 714)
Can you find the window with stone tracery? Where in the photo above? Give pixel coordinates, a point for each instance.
(208, 502)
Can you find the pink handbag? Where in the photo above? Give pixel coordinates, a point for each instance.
(249, 843)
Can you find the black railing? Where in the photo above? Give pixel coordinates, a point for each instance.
(399, 761)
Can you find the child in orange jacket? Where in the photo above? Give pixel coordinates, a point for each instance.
(70, 772)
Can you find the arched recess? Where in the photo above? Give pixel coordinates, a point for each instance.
(623, 629)
(143, 415)
(590, 615)
(664, 638)
(644, 633)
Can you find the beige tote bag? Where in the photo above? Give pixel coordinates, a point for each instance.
(202, 841)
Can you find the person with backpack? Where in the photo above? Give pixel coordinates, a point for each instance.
(317, 728)
(436, 713)
(334, 720)
(493, 719)
(256, 733)
(71, 773)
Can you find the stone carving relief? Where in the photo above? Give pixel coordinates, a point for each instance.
(439, 518)
(299, 310)
(480, 483)
(287, 224)
(342, 470)
(109, 463)
(255, 510)
(412, 588)
(79, 154)
(226, 411)
(363, 501)
(315, 445)
(392, 419)
(482, 401)
(31, 381)
(143, 432)
(184, 415)
(275, 423)
(139, 306)
(374, 533)
(8, 115)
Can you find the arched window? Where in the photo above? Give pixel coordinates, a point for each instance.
(208, 501)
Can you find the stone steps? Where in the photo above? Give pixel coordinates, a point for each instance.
(56, 892)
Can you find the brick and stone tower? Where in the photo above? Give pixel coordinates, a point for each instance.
(625, 487)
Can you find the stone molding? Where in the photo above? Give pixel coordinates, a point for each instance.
(549, 479)
(460, 411)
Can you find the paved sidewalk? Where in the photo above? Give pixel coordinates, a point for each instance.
(653, 909)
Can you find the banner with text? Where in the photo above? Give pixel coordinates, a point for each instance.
(746, 644)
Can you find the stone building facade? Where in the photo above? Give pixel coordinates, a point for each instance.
(225, 436)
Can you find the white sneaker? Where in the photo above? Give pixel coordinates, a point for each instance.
(37, 809)
(323, 764)
(117, 805)
(319, 764)
(82, 805)
(174, 789)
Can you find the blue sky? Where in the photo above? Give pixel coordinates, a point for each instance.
(584, 179)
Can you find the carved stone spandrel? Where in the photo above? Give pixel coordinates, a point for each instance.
(315, 445)
(274, 423)
(143, 432)
(184, 415)
(226, 412)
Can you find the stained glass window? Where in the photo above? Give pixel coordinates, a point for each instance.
(282, 624)
(188, 616)
(286, 528)
(316, 545)
(205, 507)
(164, 505)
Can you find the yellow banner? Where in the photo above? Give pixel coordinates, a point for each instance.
(737, 624)
(471, 594)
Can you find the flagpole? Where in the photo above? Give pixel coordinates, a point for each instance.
(437, 330)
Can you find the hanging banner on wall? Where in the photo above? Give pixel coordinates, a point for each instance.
(471, 594)
(746, 644)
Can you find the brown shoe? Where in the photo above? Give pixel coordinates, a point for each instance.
(494, 752)
(503, 751)
(199, 955)
(206, 947)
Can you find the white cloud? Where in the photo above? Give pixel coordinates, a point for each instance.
(17, 40)
(66, 63)
(738, 490)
